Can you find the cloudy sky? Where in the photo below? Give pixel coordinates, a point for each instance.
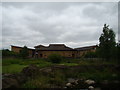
(74, 24)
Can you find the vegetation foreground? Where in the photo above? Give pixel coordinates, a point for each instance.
(43, 74)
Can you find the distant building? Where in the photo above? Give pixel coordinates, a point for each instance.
(41, 51)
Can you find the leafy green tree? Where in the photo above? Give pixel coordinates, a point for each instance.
(24, 52)
(107, 43)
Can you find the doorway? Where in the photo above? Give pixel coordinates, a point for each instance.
(41, 55)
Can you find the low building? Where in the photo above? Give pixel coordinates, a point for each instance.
(17, 49)
(41, 51)
(83, 50)
(45, 51)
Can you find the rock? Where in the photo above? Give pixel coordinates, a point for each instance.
(81, 83)
(10, 83)
(105, 82)
(68, 85)
(30, 71)
(7, 75)
(71, 80)
(21, 78)
(89, 82)
(46, 70)
(13, 80)
(116, 81)
(76, 81)
(91, 87)
(65, 87)
(114, 75)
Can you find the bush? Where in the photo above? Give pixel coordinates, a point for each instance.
(8, 53)
(90, 55)
(55, 58)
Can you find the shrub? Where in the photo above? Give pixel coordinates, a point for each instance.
(55, 58)
(8, 53)
(90, 55)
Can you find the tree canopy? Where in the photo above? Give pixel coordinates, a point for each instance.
(107, 43)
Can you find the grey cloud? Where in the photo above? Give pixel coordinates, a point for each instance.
(75, 24)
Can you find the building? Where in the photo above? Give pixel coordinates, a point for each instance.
(41, 51)
(17, 50)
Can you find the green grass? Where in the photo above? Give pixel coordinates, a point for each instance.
(75, 62)
(15, 65)
(9, 61)
(13, 68)
(69, 64)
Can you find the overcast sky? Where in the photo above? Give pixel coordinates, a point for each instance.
(74, 24)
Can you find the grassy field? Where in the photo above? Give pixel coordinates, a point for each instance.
(15, 65)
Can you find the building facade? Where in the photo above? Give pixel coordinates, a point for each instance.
(41, 51)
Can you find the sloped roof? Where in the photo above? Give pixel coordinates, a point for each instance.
(39, 46)
(86, 48)
(21, 47)
(58, 47)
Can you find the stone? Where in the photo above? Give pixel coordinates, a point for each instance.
(71, 80)
(116, 81)
(76, 81)
(114, 75)
(46, 70)
(68, 84)
(89, 82)
(65, 87)
(105, 82)
(10, 83)
(30, 71)
(21, 78)
(13, 80)
(91, 87)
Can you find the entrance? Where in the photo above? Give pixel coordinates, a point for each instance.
(73, 55)
(41, 55)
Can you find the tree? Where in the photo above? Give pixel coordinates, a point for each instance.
(107, 43)
(24, 52)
